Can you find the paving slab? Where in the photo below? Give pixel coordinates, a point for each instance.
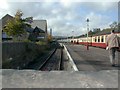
(59, 79)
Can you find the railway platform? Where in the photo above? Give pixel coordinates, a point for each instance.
(56, 79)
(94, 68)
(94, 59)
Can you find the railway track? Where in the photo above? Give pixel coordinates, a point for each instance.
(54, 61)
(50, 60)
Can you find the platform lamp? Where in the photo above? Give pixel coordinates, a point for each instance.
(73, 36)
(87, 33)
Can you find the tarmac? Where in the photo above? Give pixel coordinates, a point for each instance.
(94, 59)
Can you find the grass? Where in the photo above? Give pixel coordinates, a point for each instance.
(41, 43)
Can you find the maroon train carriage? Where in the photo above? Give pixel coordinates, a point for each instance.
(97, 40)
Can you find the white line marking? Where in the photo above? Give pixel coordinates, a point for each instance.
(71, 60)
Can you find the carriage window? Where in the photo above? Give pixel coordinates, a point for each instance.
(102, 40)
(95, 40)
(98, 39)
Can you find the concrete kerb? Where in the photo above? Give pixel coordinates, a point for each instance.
(70, 59)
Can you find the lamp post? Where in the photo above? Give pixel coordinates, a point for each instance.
(67, 39)
(87, 33)
(73, 36)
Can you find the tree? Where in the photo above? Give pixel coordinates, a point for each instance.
(18, 15)
(17, 26)
(114, 25)
(90, 32)
(119, 27)
(14, 28)
(96, 30)
(49, 38)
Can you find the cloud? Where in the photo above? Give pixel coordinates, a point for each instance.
(66, 3)
(63, 16)
(98, 20)
(100, 6)
(4, 4)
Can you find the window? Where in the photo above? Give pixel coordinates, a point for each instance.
(102, 39)
(98, 39)
(95, 39)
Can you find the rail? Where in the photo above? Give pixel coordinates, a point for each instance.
(53, 63)
(46, 60)
(61, 59)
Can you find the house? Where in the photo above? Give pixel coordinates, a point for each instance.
(5, 37)
(39, 30)
(41, 25)
(5, 19)
(37, 34)
(3, 22)
(37, 25)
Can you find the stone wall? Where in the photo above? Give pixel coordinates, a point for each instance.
(10, 49)
(18, 54)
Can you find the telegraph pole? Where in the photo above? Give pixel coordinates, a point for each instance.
(87, 33)
(51, 32)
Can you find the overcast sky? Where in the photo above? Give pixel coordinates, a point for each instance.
(65, 16)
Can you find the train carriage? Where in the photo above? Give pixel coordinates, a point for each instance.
(99, 41)
(95, 40)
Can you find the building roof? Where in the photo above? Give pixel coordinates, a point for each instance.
(30, 30)
(1, 25)
(36, 29)
(41, 24)
(5, 19)
(7, 15)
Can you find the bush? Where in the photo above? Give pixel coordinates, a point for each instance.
(26, 40)
(41, 43)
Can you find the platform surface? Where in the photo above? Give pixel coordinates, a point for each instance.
(59, 79)
(94, 59)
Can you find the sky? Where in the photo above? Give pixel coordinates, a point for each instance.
(65, 17)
